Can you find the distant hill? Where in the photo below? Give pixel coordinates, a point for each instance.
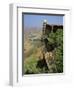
(32, 29)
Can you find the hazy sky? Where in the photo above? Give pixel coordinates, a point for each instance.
(32, 20)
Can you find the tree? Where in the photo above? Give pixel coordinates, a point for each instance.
(56, 41)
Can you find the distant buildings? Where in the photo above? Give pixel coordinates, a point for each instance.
(34, 37)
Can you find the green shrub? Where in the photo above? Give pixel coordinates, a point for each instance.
(56, 39)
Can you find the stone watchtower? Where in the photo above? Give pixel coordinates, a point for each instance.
(44, 26)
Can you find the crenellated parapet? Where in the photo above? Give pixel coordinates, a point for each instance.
(47, 28)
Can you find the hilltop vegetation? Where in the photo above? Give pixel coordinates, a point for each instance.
(56, 40)
(33, 64)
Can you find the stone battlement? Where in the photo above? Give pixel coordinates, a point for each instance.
(47, 28)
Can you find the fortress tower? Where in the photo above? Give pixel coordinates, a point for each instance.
(44, 26)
